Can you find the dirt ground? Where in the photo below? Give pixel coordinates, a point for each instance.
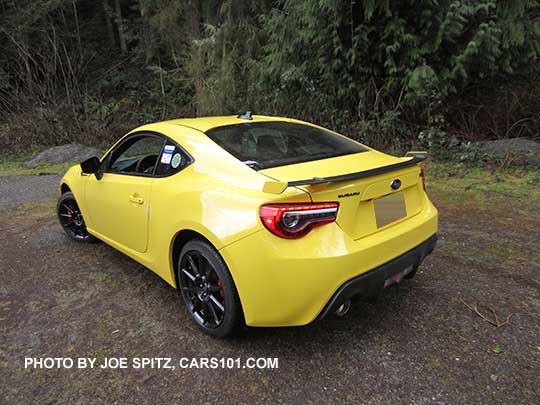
(418, 343)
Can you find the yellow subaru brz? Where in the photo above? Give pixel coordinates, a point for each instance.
(258, 221)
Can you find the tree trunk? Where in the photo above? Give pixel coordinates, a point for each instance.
(108, 22)
(195, 28)
(77, 28)
(147, 34)
(120, 25)
(195, 17)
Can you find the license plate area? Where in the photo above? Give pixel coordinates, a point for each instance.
(389, 208)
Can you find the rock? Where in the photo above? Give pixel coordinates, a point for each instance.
(521, 151)
(72, 152)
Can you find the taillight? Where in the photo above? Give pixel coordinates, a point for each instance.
(423, 176)
(296, 220)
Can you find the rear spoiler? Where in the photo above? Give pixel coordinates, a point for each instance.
(278, 187)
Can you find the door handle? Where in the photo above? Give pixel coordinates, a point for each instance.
(136, 199)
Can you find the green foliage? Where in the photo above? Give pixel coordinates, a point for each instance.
(380, 71)
(465, 183)
(403, 46)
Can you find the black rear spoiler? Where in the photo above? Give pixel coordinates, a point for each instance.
(277, 187)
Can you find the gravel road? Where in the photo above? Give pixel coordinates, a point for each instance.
(418, 343)
(17, 190)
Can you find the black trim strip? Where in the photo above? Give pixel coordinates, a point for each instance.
(359, 175)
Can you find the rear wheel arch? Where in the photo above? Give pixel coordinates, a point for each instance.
(179, 241)
(184, 236)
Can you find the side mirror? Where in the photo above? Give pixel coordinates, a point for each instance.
(92, 166)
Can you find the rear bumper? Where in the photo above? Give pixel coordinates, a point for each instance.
(289, 282)
(369, 284)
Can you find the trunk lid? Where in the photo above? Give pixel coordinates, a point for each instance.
(368, 204)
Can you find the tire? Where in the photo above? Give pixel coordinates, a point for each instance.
(208, 290)
(71, 219)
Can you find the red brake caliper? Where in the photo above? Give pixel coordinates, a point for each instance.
(70, 219)
(221, 292)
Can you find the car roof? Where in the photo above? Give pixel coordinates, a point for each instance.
(204, 124)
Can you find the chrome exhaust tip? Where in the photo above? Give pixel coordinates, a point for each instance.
(343, 308)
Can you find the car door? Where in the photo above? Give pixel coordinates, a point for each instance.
(119, 202)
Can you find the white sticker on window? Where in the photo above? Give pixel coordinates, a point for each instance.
(176, 160)
(167, 154)
(166, 157)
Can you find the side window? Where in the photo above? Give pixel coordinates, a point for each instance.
(136, 155)
(172, 160)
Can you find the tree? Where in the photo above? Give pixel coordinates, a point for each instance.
(120, 25)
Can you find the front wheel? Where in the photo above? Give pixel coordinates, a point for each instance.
(71, 219)
(208, 290)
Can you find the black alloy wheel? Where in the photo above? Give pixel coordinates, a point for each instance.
(202, 289)
(71, 219)
(208, 290)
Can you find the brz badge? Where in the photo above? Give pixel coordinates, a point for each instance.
(395, 184)
(348, 194)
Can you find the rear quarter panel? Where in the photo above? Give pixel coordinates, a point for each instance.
(216, 196)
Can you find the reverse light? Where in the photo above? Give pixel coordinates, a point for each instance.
(295, 220)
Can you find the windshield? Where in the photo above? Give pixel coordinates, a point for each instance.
(262, 145)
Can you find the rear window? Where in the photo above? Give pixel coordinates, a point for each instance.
(262, 145)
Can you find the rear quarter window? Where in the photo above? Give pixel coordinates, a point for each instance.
(262, 145)
(172, 160)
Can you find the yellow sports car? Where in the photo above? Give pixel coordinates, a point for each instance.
(258, 221)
